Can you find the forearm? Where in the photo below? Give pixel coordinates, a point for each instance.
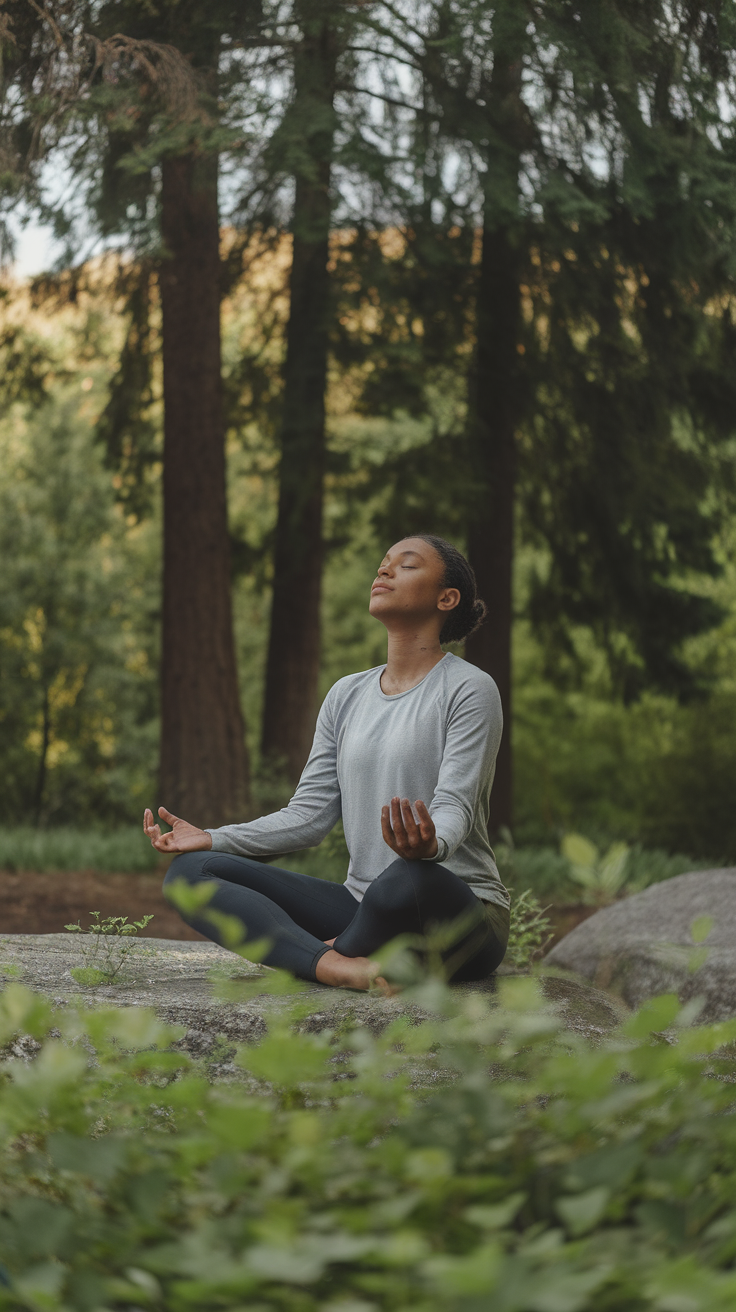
(287, 830)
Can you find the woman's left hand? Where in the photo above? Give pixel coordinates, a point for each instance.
(415, 842)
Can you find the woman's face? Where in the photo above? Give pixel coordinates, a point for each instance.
(409, 585)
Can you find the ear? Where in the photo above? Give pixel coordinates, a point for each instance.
(448, 599)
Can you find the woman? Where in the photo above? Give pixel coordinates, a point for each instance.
(425, 726)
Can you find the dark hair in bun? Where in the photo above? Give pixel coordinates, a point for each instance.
(470, 611)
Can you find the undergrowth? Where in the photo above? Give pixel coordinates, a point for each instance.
(122, 850)
(537, 1174)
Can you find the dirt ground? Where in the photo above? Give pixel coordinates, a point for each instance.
(32, 903)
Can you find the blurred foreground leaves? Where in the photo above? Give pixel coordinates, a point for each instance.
(532, 1174)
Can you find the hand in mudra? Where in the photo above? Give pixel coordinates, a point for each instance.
(183, 837)
(404, 836)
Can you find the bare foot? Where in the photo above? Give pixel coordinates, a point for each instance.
(350, 973)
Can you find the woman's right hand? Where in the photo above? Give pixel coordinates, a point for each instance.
(183, 837)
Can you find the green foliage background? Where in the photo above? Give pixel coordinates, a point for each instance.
(79, 604)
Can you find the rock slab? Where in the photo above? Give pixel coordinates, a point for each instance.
(644, 946)
(179, 980)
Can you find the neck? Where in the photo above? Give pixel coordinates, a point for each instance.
(412, 653)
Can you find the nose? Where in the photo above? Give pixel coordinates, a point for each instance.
(383, 569)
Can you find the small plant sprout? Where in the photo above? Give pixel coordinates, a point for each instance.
(108, 944)
(600, 877)
(529, 931)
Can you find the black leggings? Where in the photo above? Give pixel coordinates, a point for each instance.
(296, 913)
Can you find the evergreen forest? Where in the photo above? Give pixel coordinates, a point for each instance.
(329, 274)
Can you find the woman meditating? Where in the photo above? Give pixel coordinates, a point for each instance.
(405, 754)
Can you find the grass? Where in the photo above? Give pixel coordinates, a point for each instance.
(543, 870)
(107, 851)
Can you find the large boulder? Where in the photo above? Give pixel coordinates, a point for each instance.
(179, 980)
(644, 945)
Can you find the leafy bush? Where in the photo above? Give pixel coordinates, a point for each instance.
(573, 1179)
(125, 850)
(549, 874)
(652, 865)
(542, 869)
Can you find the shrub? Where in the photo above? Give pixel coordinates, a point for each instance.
(574, 1179)
(543, 870)
(549, 873)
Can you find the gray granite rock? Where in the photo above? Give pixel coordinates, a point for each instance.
(643, 945)
(181, 982)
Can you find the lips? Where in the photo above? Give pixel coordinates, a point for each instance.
(380, 587)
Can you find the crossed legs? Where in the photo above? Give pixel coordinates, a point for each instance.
(298, 913)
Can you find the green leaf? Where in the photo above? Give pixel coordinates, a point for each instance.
(564, 1290)
(476, 1273)
(189, 898)
(36, 1227)
(612, 873)
(239, 1125)
(131, 1027)
(697, 957)
(579, 851)
(285, 1058)
(496, 1216)
(701, 928)
(100, 1159)
(582, 1212)
(428, 1165)
(657, 1014)
(24, 1012)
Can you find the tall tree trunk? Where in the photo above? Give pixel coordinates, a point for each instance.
(495, 410)
(204, 762)
(292, 668)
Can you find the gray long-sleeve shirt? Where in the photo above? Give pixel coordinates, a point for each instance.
(436, 743)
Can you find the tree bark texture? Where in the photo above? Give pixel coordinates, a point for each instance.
(204, 762)
(292, 669)
(496, 406)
